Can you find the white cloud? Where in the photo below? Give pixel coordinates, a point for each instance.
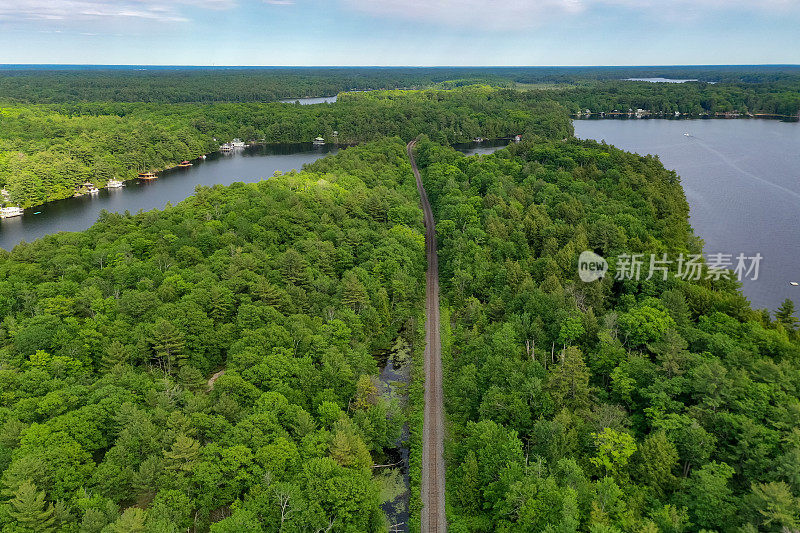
(280, 2)
(94, 10)
(517, 14)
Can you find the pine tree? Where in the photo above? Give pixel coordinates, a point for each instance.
(569, 382)
(785, 314)
(131, 521)
(354, 295)
(116, 354)
(167, 343)
(29, 508)
(183, 455)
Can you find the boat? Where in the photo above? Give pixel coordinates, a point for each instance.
(794, 283)
(90, 188)
(114, 184)
(478, 140)
(8, 212)
(319, 141)
(185, 164)
(147, 176)
(686, 134)
(203, 156)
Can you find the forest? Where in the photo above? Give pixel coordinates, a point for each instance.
(46, 151)
(31, 84)
(108, 420)
(652, 405)
(214, 366)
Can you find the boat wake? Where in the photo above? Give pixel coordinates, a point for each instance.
(732, 164)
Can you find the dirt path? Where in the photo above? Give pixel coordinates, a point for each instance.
(433, 515)
(214, 379)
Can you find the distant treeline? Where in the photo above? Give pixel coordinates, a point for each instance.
(693, 98)
(269, 84)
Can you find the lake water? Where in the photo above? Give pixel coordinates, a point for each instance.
(74, 214)
(660, 80)
(742, 182)
(481, 148)
(309, 101)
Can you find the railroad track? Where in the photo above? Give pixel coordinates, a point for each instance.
(433, 472)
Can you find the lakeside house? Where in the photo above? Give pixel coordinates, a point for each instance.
(8, 212)
(319, 141)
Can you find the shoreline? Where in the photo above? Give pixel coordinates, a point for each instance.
(599, 115)
(165, 169)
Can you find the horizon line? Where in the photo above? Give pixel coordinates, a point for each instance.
(167, 65)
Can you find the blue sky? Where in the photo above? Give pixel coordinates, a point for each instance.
(400, 32)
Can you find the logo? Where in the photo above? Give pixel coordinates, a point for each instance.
(591, 266)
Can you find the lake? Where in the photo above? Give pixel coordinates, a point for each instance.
(309, 101)
(482, 148)
(742, 182)
(660, 80)
(74, 214)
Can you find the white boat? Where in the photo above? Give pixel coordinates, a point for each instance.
(114, 184)
(8, 212)
(687, 134)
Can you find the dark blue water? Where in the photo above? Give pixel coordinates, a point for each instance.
(742, 182)
(75, 214)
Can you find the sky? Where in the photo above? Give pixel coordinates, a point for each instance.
(400, 32)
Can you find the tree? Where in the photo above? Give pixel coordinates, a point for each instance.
(354, 295)
(168, 344)
(786, 314)
(657, 458)
(183, 455)
(116, 354)
(131, 521)
(710, 499)
(777, 510)
(569, 382)
(469, 492)
(30, 510)
(614, 449)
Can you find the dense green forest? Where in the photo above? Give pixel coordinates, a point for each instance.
(171, 85)
(618, 405)
(47, 151)
(108, 337)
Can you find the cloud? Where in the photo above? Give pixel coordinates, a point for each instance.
(520, 14)
(94, 10)
(280, 2)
